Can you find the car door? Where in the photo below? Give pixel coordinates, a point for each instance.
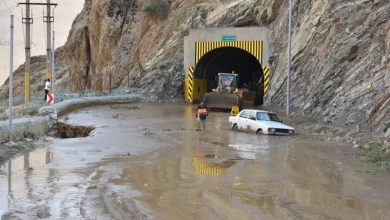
(262, 120)
(243, 120)
(251, 121)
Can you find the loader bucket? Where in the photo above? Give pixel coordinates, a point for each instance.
(222, 100)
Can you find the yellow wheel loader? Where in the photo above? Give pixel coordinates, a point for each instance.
(227, 94)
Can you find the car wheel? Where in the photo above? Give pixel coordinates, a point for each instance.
(235, 127)
(259, 131)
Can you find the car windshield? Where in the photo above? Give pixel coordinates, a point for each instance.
(264, 116)
(273, 117)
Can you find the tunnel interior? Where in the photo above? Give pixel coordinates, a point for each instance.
(227, 60)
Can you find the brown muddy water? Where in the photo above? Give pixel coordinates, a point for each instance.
(150, 163)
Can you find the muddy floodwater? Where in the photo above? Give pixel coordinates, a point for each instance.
(147, 161)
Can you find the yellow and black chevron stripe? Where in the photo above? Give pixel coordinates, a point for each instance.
(266, 72)
(254, 47)
(203, 168)
(190, 85)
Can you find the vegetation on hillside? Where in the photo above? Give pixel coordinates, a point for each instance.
(157, 9)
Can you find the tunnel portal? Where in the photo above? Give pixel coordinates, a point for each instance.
(229, 60)
(210, 51)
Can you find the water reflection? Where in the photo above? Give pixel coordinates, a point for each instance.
(6, 187)
(204, 166)
(26, 161)
(23, 178)
(10, 195)
(212, 158)
(248, 146)
(49, 157)
(285, 182)
(209, 158)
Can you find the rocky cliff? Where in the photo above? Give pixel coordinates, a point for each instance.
(340, 51)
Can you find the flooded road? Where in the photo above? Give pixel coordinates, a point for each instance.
(148, 162)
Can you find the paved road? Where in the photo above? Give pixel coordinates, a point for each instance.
(150, 163)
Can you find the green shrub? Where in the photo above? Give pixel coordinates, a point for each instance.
(377, 155)
(157, 9)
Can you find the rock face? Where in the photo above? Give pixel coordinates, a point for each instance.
(113, 45)
(340, 52)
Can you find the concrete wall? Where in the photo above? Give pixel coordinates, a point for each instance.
(67, 106)
(215, 34)
(38, 126)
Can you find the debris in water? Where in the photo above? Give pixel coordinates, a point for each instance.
(72, 131)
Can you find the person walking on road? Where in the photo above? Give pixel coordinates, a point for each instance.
(201, 115)
(47, 88)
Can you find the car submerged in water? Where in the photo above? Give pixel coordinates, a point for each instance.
(261, 122)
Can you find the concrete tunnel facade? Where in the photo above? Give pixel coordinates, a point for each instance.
(208, 52)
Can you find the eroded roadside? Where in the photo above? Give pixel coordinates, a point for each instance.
(36, 128)
(147, 162)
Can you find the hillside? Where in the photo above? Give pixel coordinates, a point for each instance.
(341, 52)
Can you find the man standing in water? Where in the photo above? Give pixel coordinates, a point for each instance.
(201, 115)
(47, 88)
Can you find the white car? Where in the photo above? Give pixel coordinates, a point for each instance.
(261, 122)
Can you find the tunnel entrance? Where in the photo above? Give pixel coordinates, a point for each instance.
(231, 60)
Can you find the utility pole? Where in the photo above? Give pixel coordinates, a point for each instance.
(11, 67)
(28, 21)
(49, 19)
(53, 62)
(289, 59)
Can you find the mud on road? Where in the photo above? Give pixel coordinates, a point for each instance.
(148, 162)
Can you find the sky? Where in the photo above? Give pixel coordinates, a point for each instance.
(64, 15)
